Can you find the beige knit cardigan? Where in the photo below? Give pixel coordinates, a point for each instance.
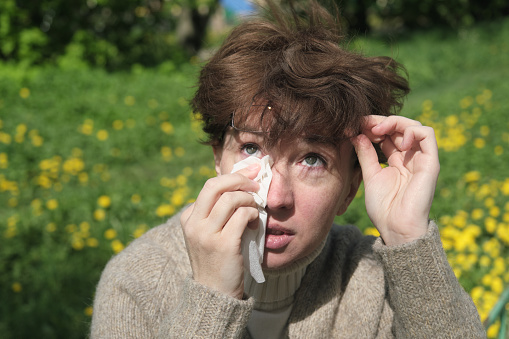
(356, 288)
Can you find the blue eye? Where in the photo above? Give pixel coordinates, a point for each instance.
(250, 149)
(313, 160)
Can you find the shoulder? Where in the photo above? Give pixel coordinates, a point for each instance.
(354, 254)
(142, 264)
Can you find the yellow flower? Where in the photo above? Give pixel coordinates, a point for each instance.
(179, 152)
(24, 93)
(372, 231)
(16, 287)
(165, 210)
(485, 131)
(163, 115)
(117, 246)
(102, 135)
(167, 127)
(118, 125)
(135, 198)
(83, 177)
(138, 232)
(490, 224)
(493, 330)
(89, 311)
(99, 214)
(485, 261)
(472, 176)
(77, 243)
(466, 102)
(495, 211)
(92, 242)
(499, 150)
(130, 123)
(479, 143)
(52, 204)
(37, 141)
(181, 180)
(87, 128)
(5, 138)
(166, 153)
(104, 201)
(477, 214)
(4, 161)
(129, 100)
(51, 227)
(12, 202)
(110, 234)
(187, 171)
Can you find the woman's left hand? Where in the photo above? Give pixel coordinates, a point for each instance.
(399, 196)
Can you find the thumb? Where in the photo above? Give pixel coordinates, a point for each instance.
(368, 158)
(251, 171)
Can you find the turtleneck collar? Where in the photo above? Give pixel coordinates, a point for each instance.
(280, 285)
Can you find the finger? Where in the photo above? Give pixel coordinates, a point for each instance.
(215, 187)
(422, 136)
(186, 214)
(389, 147)
(393, 124)
(238, 222)
(226, 206)
(367, 156)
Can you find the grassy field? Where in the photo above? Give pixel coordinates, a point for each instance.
(89, 161)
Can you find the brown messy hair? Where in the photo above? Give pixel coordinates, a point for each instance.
(299, 66)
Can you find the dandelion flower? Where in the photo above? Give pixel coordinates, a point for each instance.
(179, 152)
(52, 204)
(167, 127)
(24, 93)
(92, 242)
(102, 135)
(104, 201)
(117, 246)
(129, 100)
(51, 227)
(16, 287)
(89, 311)
(479, 143)
(99, 214)
(135, 198)
(118, 125)
(110, 234)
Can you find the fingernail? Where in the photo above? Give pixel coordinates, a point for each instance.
(253, 167)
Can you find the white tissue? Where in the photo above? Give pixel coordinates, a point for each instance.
(253, 241)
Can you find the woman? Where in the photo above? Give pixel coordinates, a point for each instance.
(283, 87)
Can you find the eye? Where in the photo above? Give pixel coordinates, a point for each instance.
(313, 160)
(250, 149)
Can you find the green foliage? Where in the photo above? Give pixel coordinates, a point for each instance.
(89, 160)
(114, 34)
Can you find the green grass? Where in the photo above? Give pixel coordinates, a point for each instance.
(55, 237)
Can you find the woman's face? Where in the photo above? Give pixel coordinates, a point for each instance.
(311, 184)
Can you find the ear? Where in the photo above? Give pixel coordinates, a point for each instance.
(355, 182)
(218, 153)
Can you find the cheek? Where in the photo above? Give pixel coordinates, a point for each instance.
(319, 206)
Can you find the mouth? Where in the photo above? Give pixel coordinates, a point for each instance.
(276, 237)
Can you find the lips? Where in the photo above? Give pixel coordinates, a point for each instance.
(277, 237)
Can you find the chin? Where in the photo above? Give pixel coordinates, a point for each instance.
(274, 261)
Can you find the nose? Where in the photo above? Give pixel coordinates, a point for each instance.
(280, 195)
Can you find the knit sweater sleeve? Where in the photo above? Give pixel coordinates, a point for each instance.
(204, 313)
(426, 297)
(146, 292)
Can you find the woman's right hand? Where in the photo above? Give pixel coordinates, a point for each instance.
(213, 227)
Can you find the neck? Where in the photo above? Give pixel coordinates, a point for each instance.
(280, 285)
